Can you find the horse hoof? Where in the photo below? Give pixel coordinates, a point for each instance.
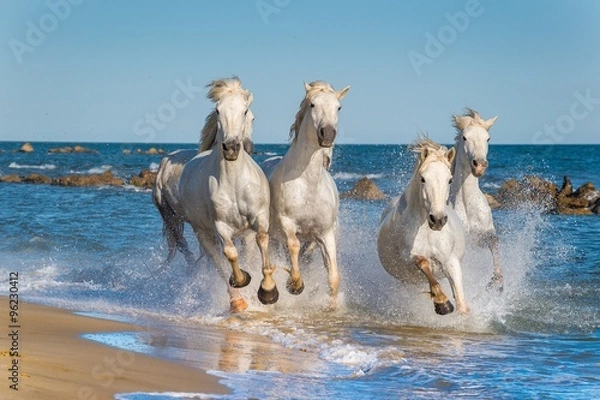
(268, 296)
(443, 308)
(237, 305)
(497, 282)
(245, 282)
(295, 287)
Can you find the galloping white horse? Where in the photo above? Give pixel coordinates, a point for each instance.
(223, 193)
(421, 234)
(304, 197)
(165, 193)
(465, 195)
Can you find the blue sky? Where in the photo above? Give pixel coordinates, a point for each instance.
(87, 70)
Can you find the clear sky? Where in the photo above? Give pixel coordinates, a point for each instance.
(134, 71)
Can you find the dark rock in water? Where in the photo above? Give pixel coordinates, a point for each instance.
(68, 149)
(532, 190)
(26, 148)
(145, 179)
(493, 203)
(596, 207)
(107, 178)
(578, 202)
(37, 179)
(365, 189)
(14, 178)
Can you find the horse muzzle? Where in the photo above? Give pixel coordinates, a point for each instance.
(437, 223)
(478, 167)
(231, 150)
(326, 136)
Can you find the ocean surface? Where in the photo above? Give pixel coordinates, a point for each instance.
(98, 250)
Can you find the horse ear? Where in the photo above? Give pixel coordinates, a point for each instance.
(490, 122)
(307, 86)
(340, 94)
(250, 99)
(450, 154)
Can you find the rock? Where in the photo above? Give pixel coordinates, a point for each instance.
(26, 148)
(14, 178)
(578, 202)
(145, 179)
(365, 189)
(152, 151)
(68, 149)
(104, 179)
(37, 179)
(529, 190)
(567, 187)
(492, 201)
(126, 151)
(596, 207)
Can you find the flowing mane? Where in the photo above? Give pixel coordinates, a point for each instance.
(426, 148)
(469, 118)
(217, 89)
(315, 87)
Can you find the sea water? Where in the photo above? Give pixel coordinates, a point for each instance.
(99, 249)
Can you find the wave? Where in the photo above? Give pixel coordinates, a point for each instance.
(346, 176)
(153, 167)
(25, 166)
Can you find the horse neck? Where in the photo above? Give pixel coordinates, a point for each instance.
(305, 152)
(463, 181)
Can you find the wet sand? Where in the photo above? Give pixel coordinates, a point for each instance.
(56, 363)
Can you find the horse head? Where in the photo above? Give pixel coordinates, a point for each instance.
(472, 139)
(320, 109)
(435, 177)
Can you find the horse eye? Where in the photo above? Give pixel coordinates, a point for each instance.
(450, 181)
(422, 180)
(339, 108)
(488, 140)
(246, 112)
(312, 105)
(464, 138)
(217, 110)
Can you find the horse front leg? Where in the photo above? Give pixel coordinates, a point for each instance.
(440, 301)
(267, 293)
(497, 276)
(329, 249)
(208, 242)
(454, 274)
(294, 284)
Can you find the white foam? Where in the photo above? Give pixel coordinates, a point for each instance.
(154, 167)
(346, 176)
(25, 166)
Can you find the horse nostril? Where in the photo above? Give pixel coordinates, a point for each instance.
(224, 147)
(322, 132)
(475, 163)
(445, 219)
(432, 218)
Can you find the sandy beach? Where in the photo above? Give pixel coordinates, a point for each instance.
(54, 362)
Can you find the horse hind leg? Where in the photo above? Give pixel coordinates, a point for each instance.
(328, 248)
(497, 279)
(441, 303)
(173, 227)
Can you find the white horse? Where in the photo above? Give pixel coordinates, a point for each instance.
(304, 197)
(165, 193)
(223, 193)
(467, 198)
(421, 234)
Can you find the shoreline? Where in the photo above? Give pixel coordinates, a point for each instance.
(45, 345)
